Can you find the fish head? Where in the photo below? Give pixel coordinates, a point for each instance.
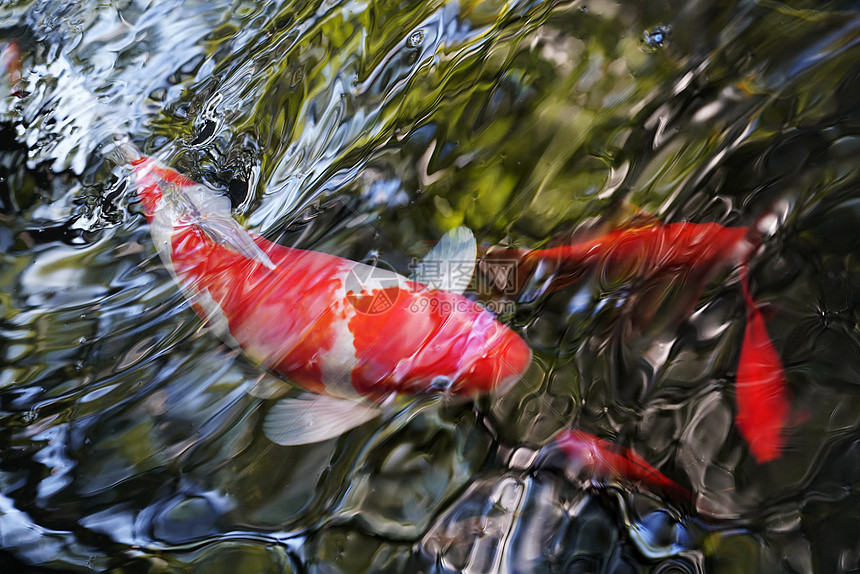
(149, 185)
(153, 180)
(502, 360)
(431, 341)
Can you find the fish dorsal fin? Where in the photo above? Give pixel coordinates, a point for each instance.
(310, 418)
(450, 264)
(210, 212)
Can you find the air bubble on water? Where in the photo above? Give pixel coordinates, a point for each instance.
(656, 38)
(416, 38)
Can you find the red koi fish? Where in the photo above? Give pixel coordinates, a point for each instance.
(11, 61)
(602, 459)
(761, 392)
(699, 250)
(349, 333)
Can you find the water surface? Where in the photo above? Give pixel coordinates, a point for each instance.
(129, 441)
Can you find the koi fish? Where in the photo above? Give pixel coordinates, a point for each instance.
(761, 392)
(699, 250)
(11, 62)
(349, 334)
(602, 460)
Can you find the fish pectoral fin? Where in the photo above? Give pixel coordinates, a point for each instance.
(450, 264)
(311, 418)
(268, 386)
(226, 231)
(211, 214)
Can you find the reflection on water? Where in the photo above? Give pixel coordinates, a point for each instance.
(131, 437)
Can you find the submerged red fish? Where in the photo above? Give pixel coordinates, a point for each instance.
(11, 61)
(354, 334)
(602, 460)
(698, 250)
(296, 313)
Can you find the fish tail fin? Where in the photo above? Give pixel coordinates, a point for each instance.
(761, 391)
(151, 179)
(126, 150)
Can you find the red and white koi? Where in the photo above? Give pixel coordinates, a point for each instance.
(315, 319)
(294, 312)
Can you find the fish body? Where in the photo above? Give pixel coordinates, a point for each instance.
(333, 326)
(602, 460)
(656, 246)
(761, 392)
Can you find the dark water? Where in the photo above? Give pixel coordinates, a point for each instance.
(129, 440)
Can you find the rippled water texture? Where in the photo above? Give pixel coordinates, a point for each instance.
(131, 437)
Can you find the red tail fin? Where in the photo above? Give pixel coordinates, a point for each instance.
(761, 393)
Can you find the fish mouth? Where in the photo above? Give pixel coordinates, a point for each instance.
(500, 371)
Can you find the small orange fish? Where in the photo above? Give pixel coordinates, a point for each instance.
(602, 459)
(11, 59)
(760, 389)
(699, 250)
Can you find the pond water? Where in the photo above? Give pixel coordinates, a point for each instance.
(131, 437)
